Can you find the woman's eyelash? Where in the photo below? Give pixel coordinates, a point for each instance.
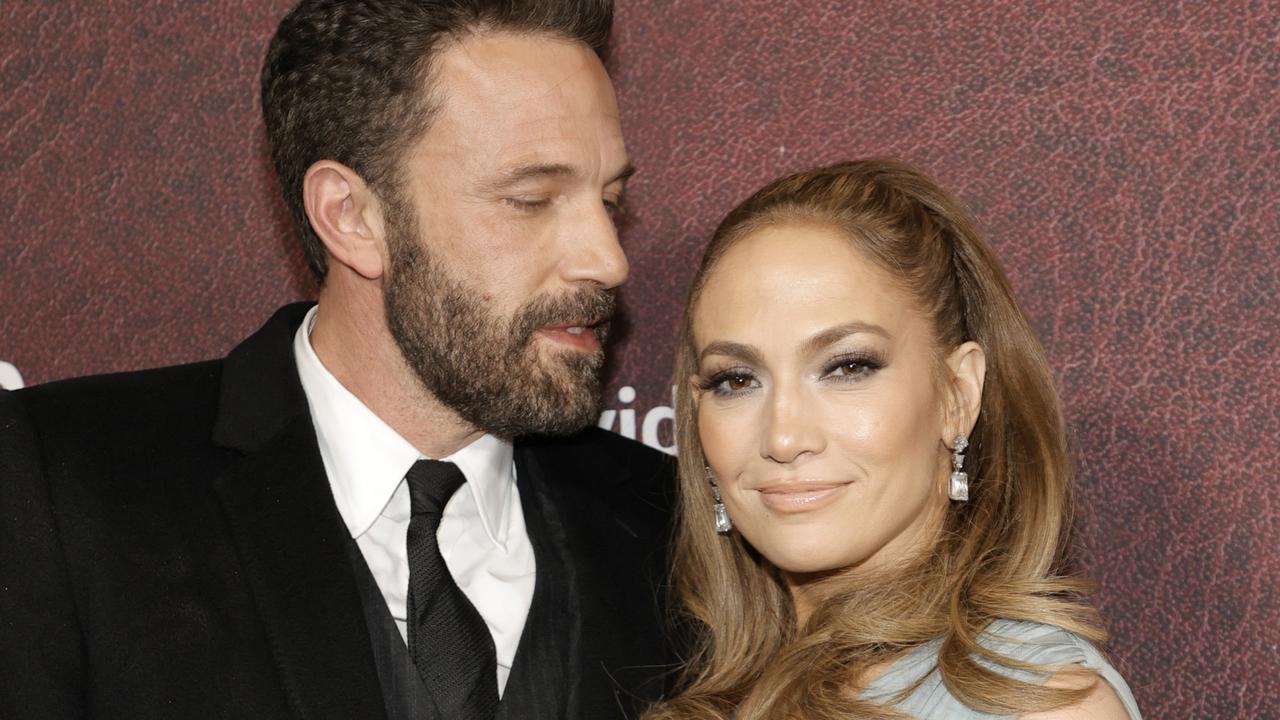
(719, 383)
(856, 365)
(851, 367)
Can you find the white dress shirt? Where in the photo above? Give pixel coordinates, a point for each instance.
(482, 533)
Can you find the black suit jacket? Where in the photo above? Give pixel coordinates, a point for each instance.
(170, 548)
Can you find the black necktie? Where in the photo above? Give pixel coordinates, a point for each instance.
(448, 640)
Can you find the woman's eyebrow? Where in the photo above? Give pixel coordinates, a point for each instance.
(731, 349)
(839, 332)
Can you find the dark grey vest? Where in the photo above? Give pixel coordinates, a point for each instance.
(544, 676)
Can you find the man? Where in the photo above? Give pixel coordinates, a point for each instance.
(382, 505)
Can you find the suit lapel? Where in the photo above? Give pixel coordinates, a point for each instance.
(614, 540)
(543, 678)
(289, 535)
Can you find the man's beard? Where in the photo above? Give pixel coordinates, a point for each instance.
(487, 368)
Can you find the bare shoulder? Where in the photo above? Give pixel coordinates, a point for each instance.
(1102, 703)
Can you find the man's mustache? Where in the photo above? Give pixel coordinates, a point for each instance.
(593, 309)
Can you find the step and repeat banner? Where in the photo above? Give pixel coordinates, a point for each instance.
(1124, 158)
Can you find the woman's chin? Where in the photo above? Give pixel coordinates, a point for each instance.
(801, 563)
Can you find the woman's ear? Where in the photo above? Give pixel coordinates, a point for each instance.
(967, 365)
(346, 216)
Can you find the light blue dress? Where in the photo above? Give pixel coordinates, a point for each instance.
(1029, 642)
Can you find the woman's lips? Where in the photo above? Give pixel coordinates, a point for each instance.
(800, 497)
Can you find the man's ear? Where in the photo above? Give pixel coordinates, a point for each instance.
(346, 216)
(967, 366)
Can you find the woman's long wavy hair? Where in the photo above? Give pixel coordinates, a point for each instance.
(999, 555)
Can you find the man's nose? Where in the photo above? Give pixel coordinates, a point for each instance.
(595, 255)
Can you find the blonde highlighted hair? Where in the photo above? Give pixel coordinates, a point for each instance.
(999, 555)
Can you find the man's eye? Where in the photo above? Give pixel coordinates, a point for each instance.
(613, 207)
(527, 203)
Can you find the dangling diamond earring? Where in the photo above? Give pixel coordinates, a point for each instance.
(959, 487)
(723, 523)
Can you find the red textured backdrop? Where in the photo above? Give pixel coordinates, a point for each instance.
(1124, 158)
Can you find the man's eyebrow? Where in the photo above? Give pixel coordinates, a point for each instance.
(559, 170)
(731, 349)
(839, 332)
(623, 175)
(524, 172)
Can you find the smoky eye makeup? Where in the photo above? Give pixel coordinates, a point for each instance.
(728, 382)
(853, 366)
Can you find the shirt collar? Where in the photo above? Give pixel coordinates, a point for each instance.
(487, 463)
(366, 460)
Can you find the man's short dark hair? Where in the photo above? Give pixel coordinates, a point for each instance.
(350, 80)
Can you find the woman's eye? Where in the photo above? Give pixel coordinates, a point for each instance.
(730, 383)
(852, 368)
(735, 383)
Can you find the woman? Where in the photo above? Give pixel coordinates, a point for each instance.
(873, 470)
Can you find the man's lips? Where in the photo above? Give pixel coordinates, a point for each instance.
(800, 496)
(581, 336)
